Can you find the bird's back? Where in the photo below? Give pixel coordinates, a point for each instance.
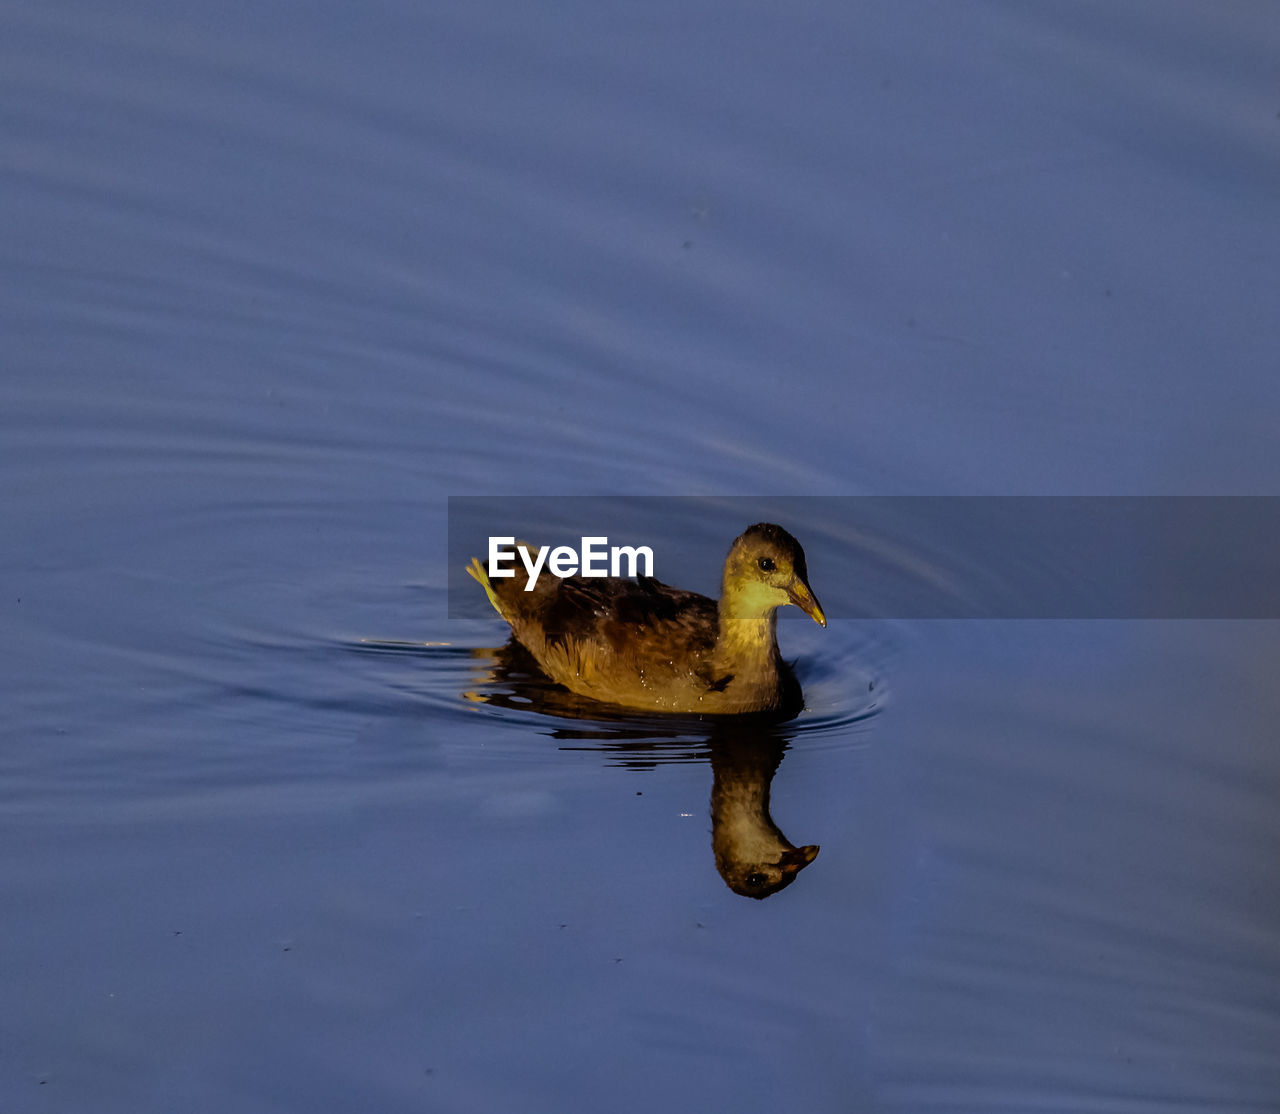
(620, 640)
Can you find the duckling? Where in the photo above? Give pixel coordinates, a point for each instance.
(641, 644)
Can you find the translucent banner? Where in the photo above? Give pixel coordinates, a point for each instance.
(913, 557)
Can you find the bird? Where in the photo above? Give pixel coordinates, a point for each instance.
(643, 645)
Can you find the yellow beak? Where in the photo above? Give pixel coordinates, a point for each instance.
(802, 596)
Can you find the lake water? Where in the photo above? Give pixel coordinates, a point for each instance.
(281, 835)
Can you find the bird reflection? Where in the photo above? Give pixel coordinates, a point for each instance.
(752, 855)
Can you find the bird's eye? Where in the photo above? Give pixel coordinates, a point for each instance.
(766, 564)
(755, 879)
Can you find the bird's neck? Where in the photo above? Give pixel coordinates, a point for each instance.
(747, 645)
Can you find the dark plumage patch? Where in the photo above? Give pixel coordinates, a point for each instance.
(622, 611)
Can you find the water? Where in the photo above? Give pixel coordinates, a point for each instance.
(277, 284)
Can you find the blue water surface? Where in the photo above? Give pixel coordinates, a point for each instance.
(279, 835)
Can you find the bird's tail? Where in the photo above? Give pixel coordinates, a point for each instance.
(476, 571)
